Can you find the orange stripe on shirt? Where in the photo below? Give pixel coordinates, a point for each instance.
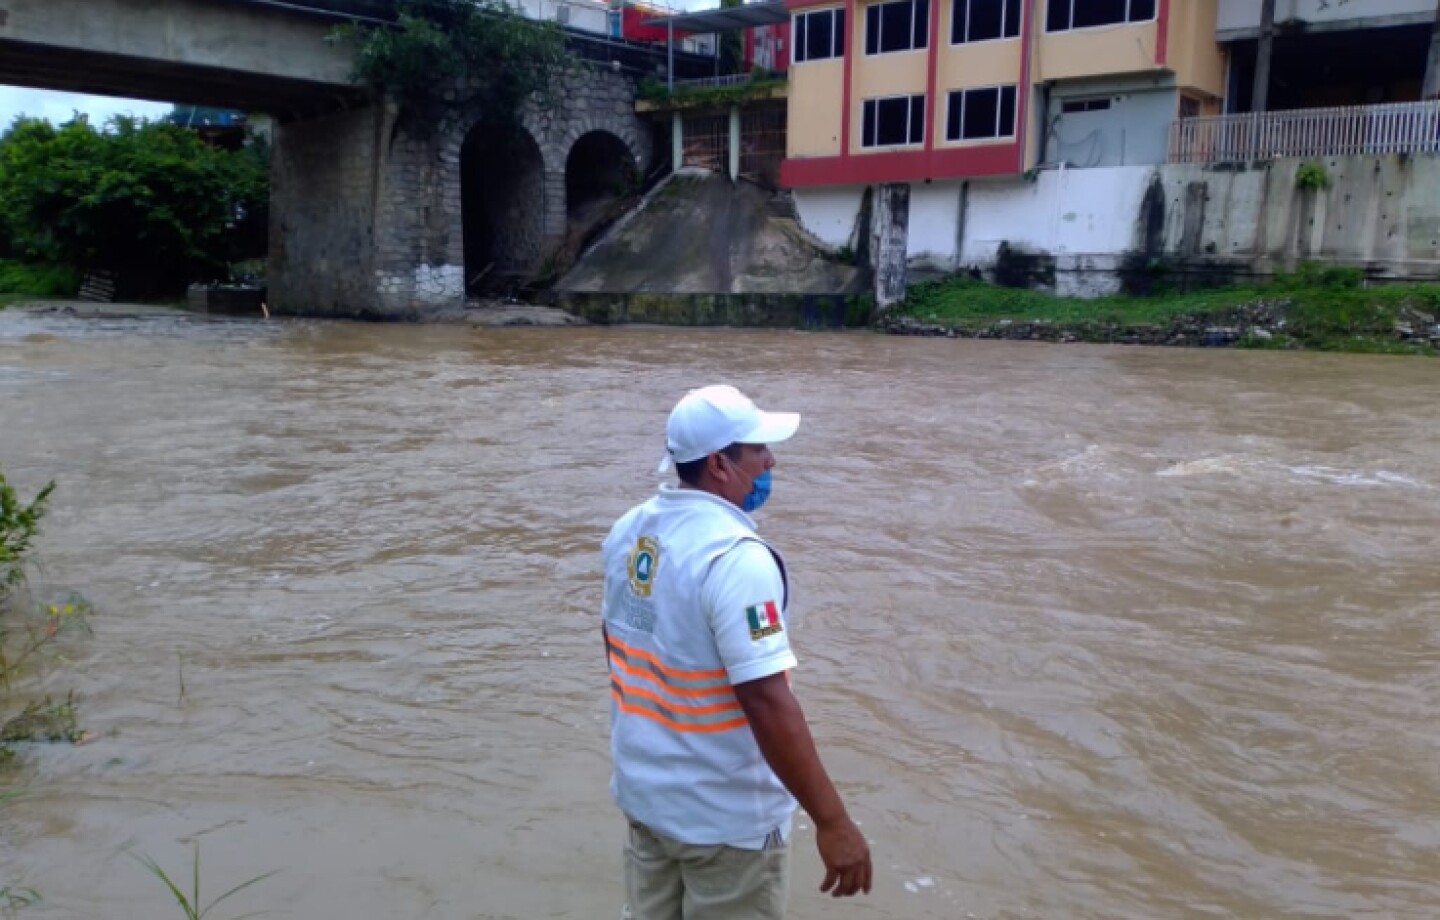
(677, 708)
(622, 665)
(673, 725)
(631, 651)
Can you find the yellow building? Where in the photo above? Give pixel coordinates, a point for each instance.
(918, 90)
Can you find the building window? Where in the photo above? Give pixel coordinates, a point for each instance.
(984, 20)
(1189, 107)
(1064, 15)
(903, 25)
(981, 114)
(819, 35)
(893, 121)
(1074, 106)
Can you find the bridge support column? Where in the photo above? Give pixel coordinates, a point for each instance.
(361, 221)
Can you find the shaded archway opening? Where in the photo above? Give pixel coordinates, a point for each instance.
(502, 199)
(601, 181)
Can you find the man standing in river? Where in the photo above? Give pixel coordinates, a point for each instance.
(711, 749)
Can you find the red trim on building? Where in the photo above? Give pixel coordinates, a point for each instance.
(901, 166)
(1023, 91)
(849, 65)
(806, 4)
(1162, 36)
(932, 64)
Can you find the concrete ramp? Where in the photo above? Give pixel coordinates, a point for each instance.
(699, 234)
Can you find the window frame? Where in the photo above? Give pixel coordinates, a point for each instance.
(999, 89)
(1005, 6)
(837, 36)
(1083, 105)
(1127, 21)
(910, 121)
(915, 26)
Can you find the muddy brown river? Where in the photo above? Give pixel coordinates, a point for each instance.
(1085, 633)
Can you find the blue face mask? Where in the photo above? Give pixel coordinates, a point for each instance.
(759, 490)
(759, 493)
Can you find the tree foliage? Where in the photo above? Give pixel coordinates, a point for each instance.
(150, 201)
(474, 51)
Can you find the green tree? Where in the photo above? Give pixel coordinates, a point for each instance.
(475, 51)
(149, 201)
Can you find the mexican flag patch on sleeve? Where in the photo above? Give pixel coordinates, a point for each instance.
(764, 620)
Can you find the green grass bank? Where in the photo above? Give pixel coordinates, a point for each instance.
(1314, 309)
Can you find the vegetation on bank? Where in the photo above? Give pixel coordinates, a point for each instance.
(1318, 309)
(149, 202)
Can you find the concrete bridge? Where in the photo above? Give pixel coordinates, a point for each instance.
(373, 213)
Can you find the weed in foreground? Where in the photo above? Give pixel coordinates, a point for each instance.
(190, 903)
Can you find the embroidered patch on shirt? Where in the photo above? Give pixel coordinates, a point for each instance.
(764, 620)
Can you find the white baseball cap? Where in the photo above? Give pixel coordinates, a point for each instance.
(713, 418)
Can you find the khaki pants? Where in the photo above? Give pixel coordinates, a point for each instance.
(669, 880)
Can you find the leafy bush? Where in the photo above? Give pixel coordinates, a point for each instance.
(19, 526)
(440, 50)
(38, 280)
(149, 201)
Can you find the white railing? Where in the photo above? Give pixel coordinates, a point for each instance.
(1406, 127)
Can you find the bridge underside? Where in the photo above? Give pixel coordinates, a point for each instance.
(96, 73)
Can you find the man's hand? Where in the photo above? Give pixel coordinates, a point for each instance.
(846, 856)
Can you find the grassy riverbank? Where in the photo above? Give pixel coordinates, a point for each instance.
(1325, 311)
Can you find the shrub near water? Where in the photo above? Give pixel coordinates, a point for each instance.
(28, 631)
(38, 280)
(149, 201)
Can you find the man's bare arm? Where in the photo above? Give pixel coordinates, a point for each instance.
(784, 738)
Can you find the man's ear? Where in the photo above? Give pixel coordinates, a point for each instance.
(716, 466)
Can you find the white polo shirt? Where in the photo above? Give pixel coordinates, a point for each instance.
(694, 603)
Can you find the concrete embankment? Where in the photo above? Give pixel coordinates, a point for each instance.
(701, 250)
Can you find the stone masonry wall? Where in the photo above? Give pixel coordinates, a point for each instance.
(325, 175)
(422, 249)
(367, 217)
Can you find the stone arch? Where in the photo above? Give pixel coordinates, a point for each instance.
(599, 168)
(503, 191)
(619, 133)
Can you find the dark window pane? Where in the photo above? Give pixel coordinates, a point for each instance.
(867, 131)
(981, 110)
(797, 41)
(922, 24)
(985, 19)
(1090, 13)
(872, 30)
(1142, 10)
(896, 21)
(839, 46)
(917, 119)
(1007, 112)
(1012, 17)
(955, 107)
(957, 21)
(819, 36)
(890, 123)
(1057, 17)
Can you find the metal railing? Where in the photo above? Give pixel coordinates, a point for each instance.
(1406, 127)
(734, 79)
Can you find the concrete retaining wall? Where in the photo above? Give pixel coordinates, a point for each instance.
(1089, 232)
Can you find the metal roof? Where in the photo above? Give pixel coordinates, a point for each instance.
(727, 19)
